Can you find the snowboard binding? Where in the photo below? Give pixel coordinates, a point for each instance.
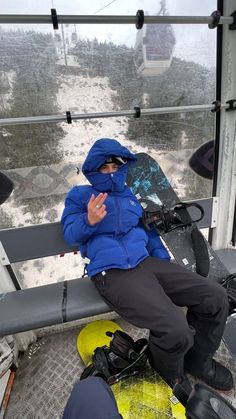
(168, 219)
(165, 219)
(123, 358)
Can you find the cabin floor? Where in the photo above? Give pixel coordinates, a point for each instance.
(51, 366)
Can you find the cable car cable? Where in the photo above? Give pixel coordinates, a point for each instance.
(113, 1)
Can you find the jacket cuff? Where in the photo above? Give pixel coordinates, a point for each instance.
(88, 226)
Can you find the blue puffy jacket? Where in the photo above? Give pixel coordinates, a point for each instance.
(119, 240)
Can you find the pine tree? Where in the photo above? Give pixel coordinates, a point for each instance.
(32, 57)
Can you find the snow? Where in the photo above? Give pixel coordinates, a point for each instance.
(89, 95)
(72, 60)
(6, 80)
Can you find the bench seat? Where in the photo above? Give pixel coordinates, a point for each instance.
(61, 302)
(48, 305)
(228, 258)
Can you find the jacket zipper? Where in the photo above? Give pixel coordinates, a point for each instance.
(119, 231)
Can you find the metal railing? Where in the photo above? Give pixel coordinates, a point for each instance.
(137, 112)
(111, 19)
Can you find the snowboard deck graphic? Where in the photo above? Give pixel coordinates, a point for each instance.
(147, 181)
(146, 395)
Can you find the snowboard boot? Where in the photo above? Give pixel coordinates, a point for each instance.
(212, 373)
(181, 388)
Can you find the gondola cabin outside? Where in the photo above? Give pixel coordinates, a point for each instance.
(154, 49)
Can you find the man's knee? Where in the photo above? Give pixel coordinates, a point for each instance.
(216, 301)
(90, 399)
(91, 385)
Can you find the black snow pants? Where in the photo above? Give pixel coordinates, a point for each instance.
(151, 296)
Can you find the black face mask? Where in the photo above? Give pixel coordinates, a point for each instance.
(109, 182)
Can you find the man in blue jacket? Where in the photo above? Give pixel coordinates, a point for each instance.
(132, 272)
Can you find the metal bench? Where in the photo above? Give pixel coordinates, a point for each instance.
(47, 305)
(51, 304)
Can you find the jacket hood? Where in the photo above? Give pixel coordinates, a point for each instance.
(102, 149)
(99, 152)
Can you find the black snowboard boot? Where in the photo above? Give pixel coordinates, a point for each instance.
(212, 373)
(181, 388)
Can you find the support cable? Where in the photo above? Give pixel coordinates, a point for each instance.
(104, 7)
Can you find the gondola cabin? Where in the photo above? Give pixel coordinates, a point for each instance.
(45, 299)
(154, 49)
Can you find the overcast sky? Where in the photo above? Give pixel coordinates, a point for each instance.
(194, 42)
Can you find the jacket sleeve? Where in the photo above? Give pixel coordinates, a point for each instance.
(74, 219)
(155, 247)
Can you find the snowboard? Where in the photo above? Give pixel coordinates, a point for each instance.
(148, 183)
(146, 395)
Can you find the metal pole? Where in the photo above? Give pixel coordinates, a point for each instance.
(219, 38)
(63, 42)
(96, 115)
(226, 180)
(110, 19)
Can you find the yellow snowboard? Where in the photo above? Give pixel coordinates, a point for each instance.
(145, 396)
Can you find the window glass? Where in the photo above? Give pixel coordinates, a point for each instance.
(99, 68)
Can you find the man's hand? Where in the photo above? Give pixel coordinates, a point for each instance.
(96, 209)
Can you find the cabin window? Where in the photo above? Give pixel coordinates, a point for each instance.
(95, 68)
